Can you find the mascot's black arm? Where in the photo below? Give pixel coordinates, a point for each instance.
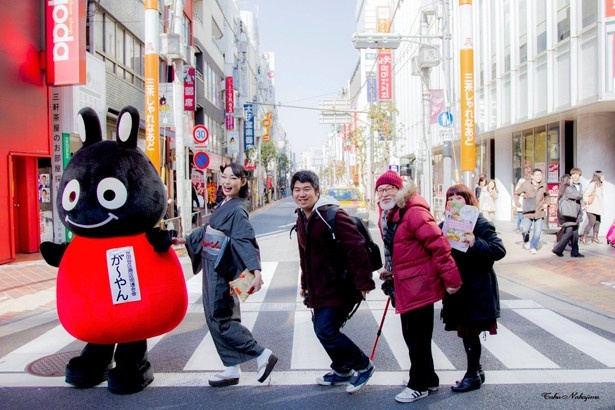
(53, 252)
(160, 239)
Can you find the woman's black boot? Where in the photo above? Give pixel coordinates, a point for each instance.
(468, 383)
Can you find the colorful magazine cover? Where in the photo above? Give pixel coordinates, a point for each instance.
(459, 220)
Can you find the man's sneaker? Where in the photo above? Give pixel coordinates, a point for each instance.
(533, 251)
(360, 377)
(408, 395)
(333, 378)
(526, 245)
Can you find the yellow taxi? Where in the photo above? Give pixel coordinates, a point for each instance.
(351, 201)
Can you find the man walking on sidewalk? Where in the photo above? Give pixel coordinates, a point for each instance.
(535, 196)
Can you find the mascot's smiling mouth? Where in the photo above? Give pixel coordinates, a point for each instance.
(111, 216)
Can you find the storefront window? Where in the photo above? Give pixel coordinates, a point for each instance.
(528, 152)
(517, 157)
(540, 148)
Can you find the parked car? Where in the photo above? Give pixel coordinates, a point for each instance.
(351, 201)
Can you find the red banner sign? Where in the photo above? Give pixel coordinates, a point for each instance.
(609, 8)
(65, 42)
(189, 96)
(385, 76)
(230, 104)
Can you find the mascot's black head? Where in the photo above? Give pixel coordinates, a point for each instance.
(110, 188)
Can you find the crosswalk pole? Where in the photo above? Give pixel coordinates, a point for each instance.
(386, 307)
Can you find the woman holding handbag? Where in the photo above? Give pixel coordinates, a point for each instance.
(595, 206)
(569, 216)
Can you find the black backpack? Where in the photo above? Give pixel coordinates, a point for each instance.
(373, 250)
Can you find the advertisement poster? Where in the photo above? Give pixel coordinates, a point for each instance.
(198, 184)
(553, 173)
(552, 208)
(45, 205)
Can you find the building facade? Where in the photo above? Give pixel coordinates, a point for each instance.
(39, 122)
(544, 92)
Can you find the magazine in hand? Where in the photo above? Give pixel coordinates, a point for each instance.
(459, 220)
(241, 284)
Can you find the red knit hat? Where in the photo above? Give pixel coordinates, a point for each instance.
(390, 178)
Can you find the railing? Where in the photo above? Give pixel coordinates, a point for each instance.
(198, 219)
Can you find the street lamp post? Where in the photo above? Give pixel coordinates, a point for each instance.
(428, 57)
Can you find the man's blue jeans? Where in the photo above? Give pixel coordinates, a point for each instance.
(526, 224)
(345, 355)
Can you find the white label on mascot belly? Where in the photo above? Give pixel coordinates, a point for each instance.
(123, 278)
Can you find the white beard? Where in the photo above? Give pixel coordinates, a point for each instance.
(390, 204)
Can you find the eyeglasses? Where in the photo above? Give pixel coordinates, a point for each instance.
(389, 190)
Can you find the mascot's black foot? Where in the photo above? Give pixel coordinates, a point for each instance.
(84, 374)
(129, 379)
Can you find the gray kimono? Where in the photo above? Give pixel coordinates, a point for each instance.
(223, 249)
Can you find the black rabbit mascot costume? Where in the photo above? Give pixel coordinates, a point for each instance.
(119, 281)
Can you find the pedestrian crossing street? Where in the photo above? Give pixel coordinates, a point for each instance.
(524, 351)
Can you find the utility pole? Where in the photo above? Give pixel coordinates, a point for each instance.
(184, 206)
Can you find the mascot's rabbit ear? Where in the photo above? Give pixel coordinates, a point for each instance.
(128, 127)
(89, 126)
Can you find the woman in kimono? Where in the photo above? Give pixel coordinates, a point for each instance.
(225, 247)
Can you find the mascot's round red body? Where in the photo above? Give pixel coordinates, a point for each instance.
(85, 297)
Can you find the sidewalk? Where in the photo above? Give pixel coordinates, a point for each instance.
(27, 286)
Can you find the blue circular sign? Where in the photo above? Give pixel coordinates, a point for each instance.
(445, 119)
(201, 160)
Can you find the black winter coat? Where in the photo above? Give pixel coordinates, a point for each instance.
(479, 298)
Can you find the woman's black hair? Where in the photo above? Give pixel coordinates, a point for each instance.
(564, 181)
(240, 172)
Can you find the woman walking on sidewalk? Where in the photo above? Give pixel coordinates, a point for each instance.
(593, 197)
(224, 248)
(569, 225)
(475, 308)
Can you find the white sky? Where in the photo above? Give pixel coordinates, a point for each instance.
(314, 59)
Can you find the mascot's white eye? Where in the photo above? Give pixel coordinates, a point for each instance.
(111, 193)
(70, 197)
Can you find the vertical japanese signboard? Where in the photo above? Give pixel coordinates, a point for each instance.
(385, 76)
(466, 62)
(65, 42)
(230, 104)
(189, 95)
(151, 61)
(248, 127)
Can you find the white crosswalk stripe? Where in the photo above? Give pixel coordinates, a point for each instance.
(518, 360)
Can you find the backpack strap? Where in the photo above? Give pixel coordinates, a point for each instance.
(329, 219)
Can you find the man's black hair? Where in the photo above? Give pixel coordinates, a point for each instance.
(305, 176)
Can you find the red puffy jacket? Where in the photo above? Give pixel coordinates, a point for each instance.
(422, 263)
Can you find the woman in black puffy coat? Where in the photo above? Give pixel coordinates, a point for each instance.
(476, 306)
(569, 231)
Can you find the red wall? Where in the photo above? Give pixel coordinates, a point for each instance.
(23, 102)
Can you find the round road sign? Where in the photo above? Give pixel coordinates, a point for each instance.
(200, 133)
(201, 160)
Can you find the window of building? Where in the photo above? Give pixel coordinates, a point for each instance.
(563, 19)
(589, 12)
(109, 46)
(506, 33)
(122, 52)
(522, 12)
(541, 26)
